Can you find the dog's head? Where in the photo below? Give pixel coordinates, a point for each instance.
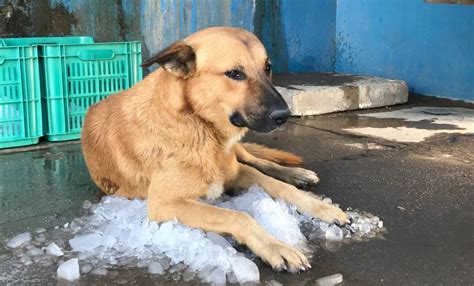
(226, 75)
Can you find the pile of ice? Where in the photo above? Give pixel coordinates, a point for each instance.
(117, 233)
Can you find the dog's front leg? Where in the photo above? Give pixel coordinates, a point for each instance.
(163, 207)
(304, 201)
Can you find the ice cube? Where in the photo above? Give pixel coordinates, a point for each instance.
(69, 270)
(333, 245)
(245, 270)
(40, 237)
(216, 277)
(334, 233)
(323, 226)
(165, 263)
(35, 252)
(19, 240)
(205, 271)
(86, 242)
(143, 263)
(273, 283)
(176, 276)
(54, 250)
(366, 227)
(40, 230)
(86, 204)
(155, 268)
(177, 268)
(330, 280)
(352, 214)
(188, 275)
(25, 260)
(327, 200)
(218, 239)
(314, 235)
(86, 268)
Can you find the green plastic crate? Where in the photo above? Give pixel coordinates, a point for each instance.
(77, 76)
(20, 102)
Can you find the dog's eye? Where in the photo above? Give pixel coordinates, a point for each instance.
(235, 75)
(268, 68)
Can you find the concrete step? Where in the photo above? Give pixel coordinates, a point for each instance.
(320, 93)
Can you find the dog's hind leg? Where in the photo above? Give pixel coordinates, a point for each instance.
(264, 159)
(304, 201)
(277, 156)
(163, 207)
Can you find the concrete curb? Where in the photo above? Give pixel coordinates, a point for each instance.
(320, 93)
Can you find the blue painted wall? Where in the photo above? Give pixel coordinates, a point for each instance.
(310, 27)
(431, 46)
(428, 45)
(163, 22)
(277, 22)
(299, 35)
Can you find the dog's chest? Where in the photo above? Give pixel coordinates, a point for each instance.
(214, 190)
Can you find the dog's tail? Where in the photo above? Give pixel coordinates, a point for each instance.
(274, 155)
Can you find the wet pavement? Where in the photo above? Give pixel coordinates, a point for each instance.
(423, 192)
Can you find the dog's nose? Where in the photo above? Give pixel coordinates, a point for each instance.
(280, 116)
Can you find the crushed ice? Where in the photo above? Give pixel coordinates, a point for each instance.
(117, 233)
(330, 280)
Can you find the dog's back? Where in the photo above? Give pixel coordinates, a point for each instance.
(108, 143)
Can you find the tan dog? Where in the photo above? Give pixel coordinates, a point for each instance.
(173, 138)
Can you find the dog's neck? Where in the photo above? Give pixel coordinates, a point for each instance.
(234, 140)
(169, 95)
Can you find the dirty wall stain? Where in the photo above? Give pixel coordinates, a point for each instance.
(35, 18)
(268, 25)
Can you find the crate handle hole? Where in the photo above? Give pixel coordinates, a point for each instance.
(92, 55)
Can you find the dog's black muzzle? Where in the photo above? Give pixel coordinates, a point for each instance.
(270, 112)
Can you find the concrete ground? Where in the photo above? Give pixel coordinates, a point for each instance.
(423, 191)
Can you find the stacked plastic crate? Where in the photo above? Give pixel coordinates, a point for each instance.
(20, 102)
(47, 84)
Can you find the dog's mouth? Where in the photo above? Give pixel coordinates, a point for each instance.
(237, 119)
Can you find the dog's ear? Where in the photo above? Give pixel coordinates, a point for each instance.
(178, 59)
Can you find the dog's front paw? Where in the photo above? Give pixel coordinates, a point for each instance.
(284, 257)
(302, 178)
(329, 213)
